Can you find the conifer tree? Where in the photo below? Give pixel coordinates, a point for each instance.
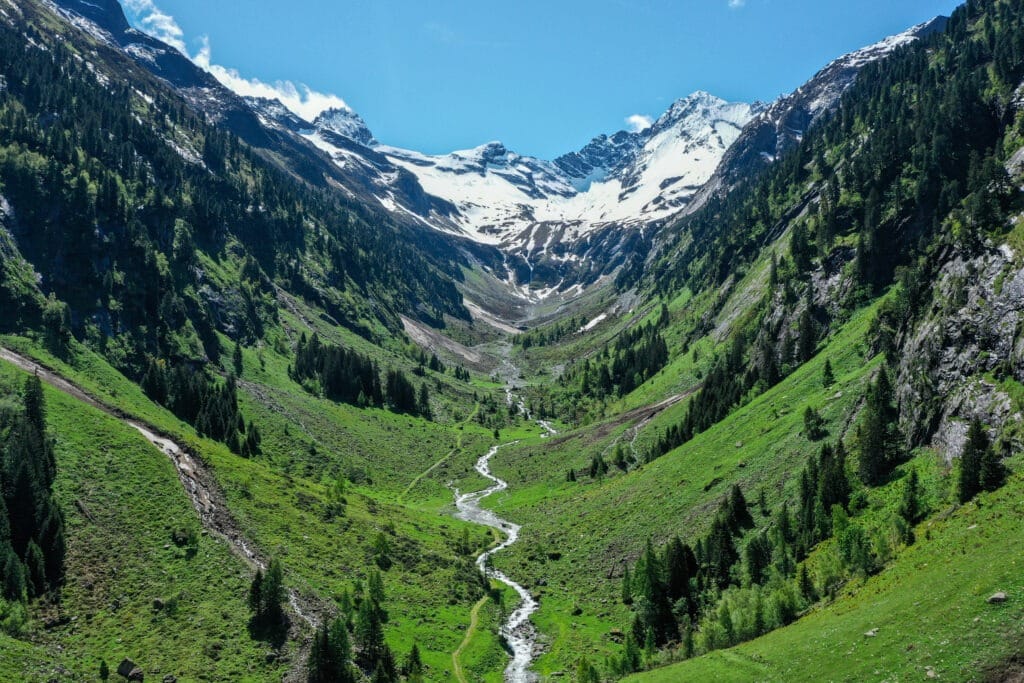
(827, 376)
(910, 505)
(970, 461)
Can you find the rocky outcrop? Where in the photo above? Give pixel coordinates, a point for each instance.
(951, 364)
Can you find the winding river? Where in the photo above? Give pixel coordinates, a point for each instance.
(517, 631)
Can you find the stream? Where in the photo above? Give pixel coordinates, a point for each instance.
(517, 631)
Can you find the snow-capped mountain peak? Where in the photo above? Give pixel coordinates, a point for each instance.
(346, 123)
(627, 177)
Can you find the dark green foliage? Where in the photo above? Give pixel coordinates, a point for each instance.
(542, 336)
(343, 375)
(32, 541)
(757, 557)
(931, 107)
(266, 602)
(814, 425)
(911, 506)
(598, 467)
(413, 668)
(401, 395)
(877, 434)
(196, 398)
(807, 336)
(724, 387)
(113, 216)
(823, 486)
(827, 376)
(236, 360)
(370, 635)
(980, 466)
(665, 589)
(638, 354)
(104, 670)
(586, 672)
(330, 657)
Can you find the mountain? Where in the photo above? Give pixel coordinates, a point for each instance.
(780, 126)
(257, 423)
(541, 227)
(559, 224)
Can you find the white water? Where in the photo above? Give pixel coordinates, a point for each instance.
(518, 632)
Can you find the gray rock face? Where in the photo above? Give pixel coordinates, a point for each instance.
(972, 329)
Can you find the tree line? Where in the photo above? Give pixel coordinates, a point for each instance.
(350, 377)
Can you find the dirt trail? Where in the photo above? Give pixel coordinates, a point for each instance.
(200, 485)
(474, 621)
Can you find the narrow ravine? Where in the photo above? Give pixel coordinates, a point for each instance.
(518, 632)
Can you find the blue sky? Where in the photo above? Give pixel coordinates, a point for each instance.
(543, 76)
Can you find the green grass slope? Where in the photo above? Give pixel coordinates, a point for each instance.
(123, 502)
(930, 610)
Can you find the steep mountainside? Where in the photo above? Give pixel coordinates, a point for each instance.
(781, 125)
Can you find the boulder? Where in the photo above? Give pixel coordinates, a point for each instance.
(128, 669)
(872, 633)
(997, 598)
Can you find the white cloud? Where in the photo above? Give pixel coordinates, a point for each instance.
(157, 24)
(639, 122)
(297, 97)
(736, 4)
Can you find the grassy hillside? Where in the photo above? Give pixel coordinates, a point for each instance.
(124, 504)
(929, 612)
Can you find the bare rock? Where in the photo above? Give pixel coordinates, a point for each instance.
(128, 669)
(997, 598)
(872, 633)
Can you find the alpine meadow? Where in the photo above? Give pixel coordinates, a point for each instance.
(734, 394)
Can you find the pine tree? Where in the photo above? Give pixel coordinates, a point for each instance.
(236, 358)
(35, 405)
(423, 402)
(993, 473)
(807, 341)
(827, 377)
(330, 657)
(910, 506)
(586, 673)
(737, 510)
(266, 598)
(413, 667)
(971, 460)
(877, 433)
(369, 635)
